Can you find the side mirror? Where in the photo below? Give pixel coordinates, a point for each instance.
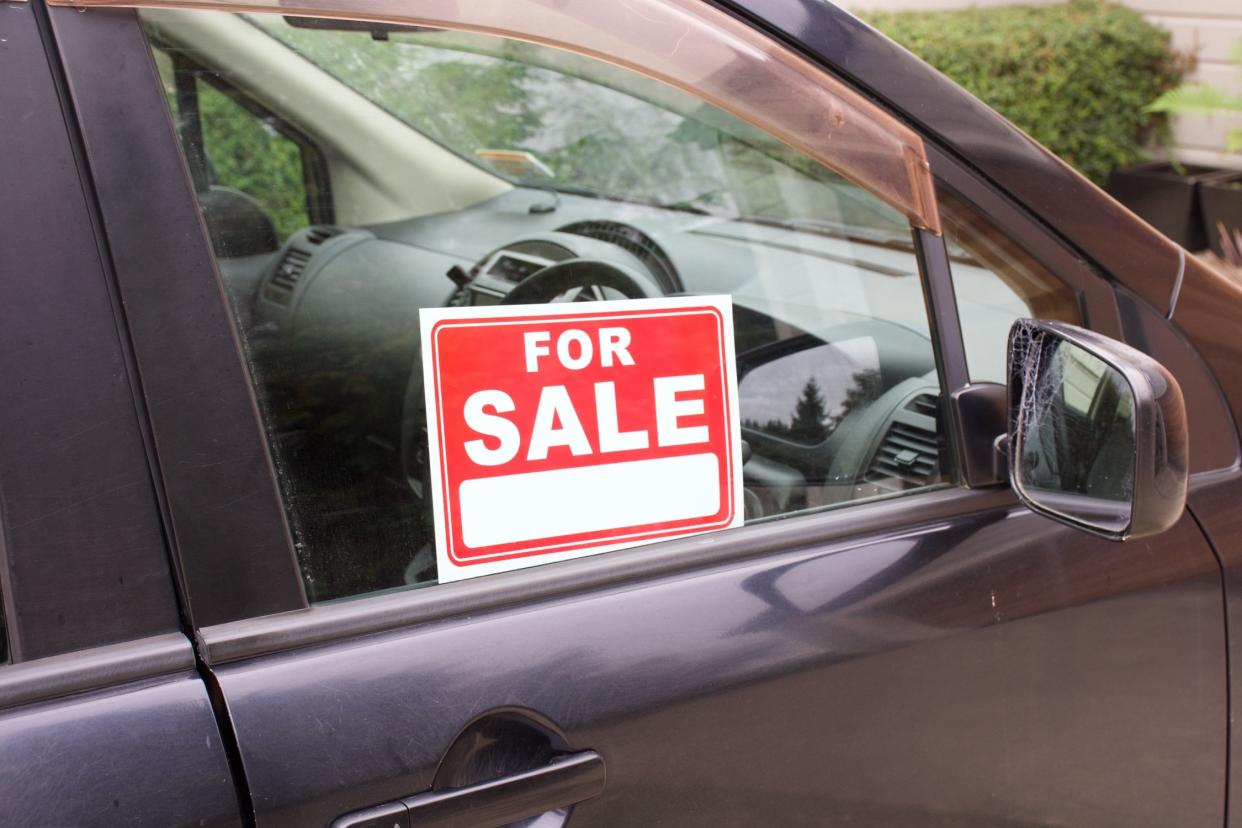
(1097, 431)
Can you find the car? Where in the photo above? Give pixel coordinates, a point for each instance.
(659, 412)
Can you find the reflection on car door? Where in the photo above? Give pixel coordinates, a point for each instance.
(958, 661)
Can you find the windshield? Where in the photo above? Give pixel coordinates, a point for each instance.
(541, 117)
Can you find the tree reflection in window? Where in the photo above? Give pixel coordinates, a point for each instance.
(803, 396)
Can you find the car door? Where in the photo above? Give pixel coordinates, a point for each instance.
(1154, 275)
(939, 655)
(99, 690)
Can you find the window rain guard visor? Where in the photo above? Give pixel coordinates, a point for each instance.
(688, 45)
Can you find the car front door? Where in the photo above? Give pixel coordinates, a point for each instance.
(881, 643)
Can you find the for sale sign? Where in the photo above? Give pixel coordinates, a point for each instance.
(562, 430)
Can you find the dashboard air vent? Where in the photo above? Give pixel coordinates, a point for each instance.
(635, 242)
(909, 454)
(290, 269)
(926, 405)
(320, 233)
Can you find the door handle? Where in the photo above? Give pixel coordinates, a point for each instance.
(559, 784)
(562, 782)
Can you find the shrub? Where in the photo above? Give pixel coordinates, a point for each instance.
(1076, 77)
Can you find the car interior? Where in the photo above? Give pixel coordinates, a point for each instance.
(350, 174)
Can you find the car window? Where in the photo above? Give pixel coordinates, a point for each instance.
(248, 173)
(467, 164)
(996, 282)
(585, 124)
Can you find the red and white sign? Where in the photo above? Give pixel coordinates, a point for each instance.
(562, 430)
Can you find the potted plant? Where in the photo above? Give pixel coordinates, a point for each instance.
(1166, 194)
(1220, 199)
(1219, 195)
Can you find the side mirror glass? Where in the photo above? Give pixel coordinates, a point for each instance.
(1097, 431)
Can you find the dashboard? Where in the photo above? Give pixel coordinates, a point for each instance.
(330, 326)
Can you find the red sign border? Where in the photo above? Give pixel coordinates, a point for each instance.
(606, 540)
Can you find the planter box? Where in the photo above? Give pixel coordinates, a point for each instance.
(1166, 198)
(1220, 200)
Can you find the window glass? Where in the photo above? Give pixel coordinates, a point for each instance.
(996, 283)
(247, 170)
(804, 395)
(247, 153)
(527, 158)
(587, 124)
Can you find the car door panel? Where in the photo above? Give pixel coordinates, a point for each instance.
(103, 717)
(1214, 502)
(994, 668)
(144, 751)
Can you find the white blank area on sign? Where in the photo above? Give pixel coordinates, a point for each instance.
(549, 504)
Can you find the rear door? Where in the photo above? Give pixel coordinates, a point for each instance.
(879, 643)
(104, 719)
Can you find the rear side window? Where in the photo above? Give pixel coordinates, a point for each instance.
(250, 174)
(244, 152)
(460, 167)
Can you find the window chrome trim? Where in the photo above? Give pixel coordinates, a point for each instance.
(686, 44)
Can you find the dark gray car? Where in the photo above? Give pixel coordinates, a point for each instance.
(987, 419)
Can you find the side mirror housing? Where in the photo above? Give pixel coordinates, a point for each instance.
(1097, 431)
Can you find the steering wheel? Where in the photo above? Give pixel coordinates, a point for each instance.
(555, 280)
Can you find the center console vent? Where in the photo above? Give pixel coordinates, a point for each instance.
(909, 456)
(287, 274)
(320, 233)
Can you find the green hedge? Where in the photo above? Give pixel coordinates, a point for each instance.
(1075, 77)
